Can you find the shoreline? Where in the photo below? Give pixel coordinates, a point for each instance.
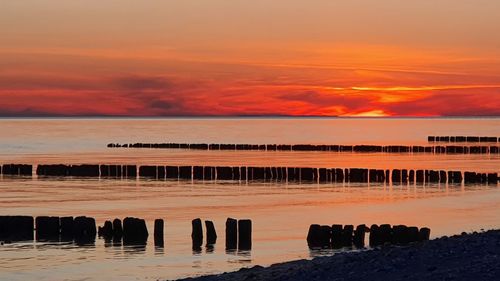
(474, 256)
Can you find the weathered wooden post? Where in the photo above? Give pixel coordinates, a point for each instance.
(347, 233)
(16, 228)
(359, 236)
(117, 230)
(231, 234)
(244, 234)
(106, 231)
(211, 233)
(374, 235)
(67, 226)
(424, 234)
(158, 232)
(197, 234)
(400, 234)
(84, 229)
(47, 228)
(135, 231)
(336, 236)
(413, 234)
(385, 231)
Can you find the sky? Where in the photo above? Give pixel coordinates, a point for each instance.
(249, 57)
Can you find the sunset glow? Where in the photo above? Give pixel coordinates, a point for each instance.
(182, 58)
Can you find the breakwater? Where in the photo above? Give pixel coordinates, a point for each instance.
(132, 231)
(471, 139)
(435, 149)
(337, 236)
(248, 174)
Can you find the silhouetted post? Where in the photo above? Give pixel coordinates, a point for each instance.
(400, 234)
(419, 176)
(424, 234)
(413, 234)
(336, 236)
(197, 234)
(135, 231)
(291, 174)
(208, 173)
(433, 176)
(442, 177)
(385, 232)
(325, 236)
(158, 233)
(411, 176)
(131, 171)
(396, 176)
(160, 172)
(231, 233)
(16, 228)
(172, 172)
(117, 229)
(339, 175)
(106, 231)
(84, 229)
(359, 236)
(198, 173)
(492, 178)
(47, 228)
(244, 234)
(211, 233)
(404, 176)
(347, 235)
(67, 226)
(314, 236)
(374, 235)
(185, 172)
(147, 171)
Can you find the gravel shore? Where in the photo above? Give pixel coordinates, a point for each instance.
(462, 257)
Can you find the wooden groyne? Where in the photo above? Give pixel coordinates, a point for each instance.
(471, 139)
(435, 149)
(337, 236)
(238, 234)
(133, 231)
(80, 229)
(268, 174)
(16, 169)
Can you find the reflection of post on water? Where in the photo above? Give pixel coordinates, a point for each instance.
(134, 249)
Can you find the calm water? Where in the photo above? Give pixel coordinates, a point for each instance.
(281, 213)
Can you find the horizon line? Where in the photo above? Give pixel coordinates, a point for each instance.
(241, 116)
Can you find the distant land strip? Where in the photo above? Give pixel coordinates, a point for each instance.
(249, 174)
(436, 149)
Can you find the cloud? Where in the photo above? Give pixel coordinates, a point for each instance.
(141, 83)
(247, 90)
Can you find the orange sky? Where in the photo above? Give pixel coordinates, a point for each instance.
(280, 57)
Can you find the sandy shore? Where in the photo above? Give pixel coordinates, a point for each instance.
(461, 257)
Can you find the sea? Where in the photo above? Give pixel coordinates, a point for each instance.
(281, 212)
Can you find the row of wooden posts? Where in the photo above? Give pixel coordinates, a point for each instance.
(436, 149)
(472, 139)
(338, 236)
(278, 174)
(133, 231)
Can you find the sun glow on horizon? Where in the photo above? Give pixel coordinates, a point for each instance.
(371, 113)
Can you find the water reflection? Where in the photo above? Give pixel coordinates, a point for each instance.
(209, 249)
(281, 213)
(134, 249)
